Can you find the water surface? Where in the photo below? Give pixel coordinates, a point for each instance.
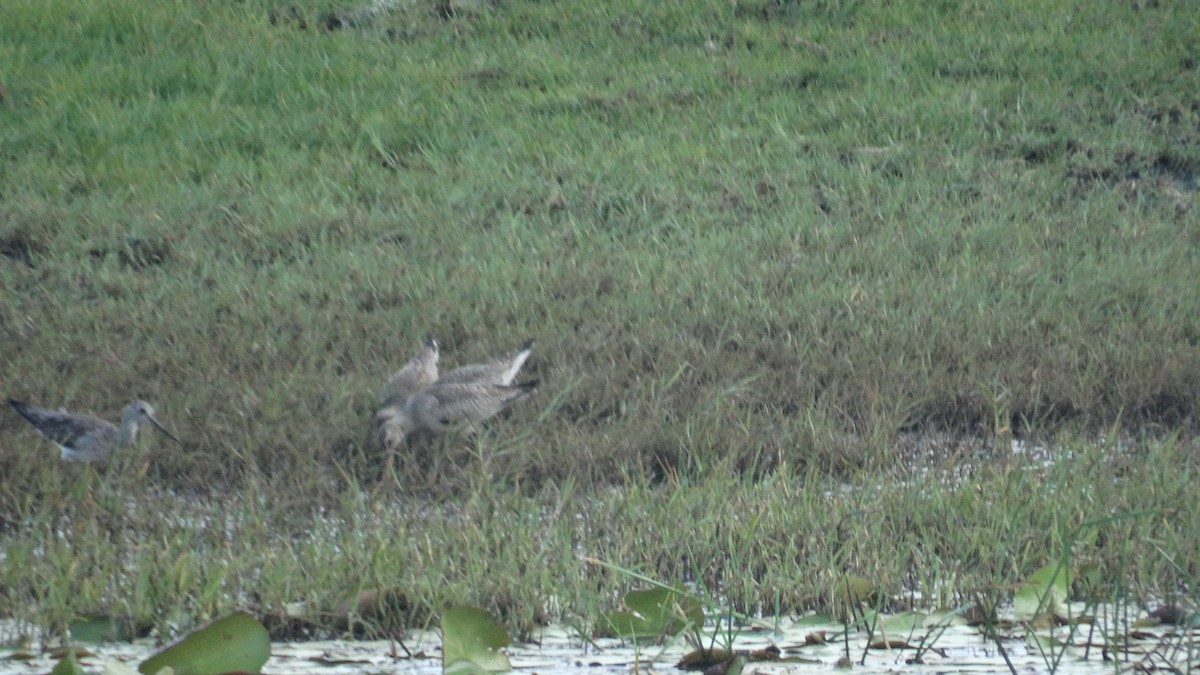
(557, 651)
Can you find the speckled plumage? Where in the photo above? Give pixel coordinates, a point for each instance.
(417, 402)
(420, 372)
(500, 370)
(462, 406)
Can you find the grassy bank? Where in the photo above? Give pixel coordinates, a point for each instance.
(756, 242)
(976, 522)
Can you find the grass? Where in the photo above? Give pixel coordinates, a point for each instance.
(762, 246)
(779, 545)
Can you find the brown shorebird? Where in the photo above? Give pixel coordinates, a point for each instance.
(84, 438)
(458, 401)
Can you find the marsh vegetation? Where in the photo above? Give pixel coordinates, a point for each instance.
(802, 276)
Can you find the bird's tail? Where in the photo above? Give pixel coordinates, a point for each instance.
(523, 390)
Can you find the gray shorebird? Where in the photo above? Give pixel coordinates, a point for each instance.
(500, 370)
(420, 372)
(461, 406)
(85, 438)
(458, 401)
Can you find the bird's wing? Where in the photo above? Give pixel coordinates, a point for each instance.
(420, 372)
(500, 370)
(469, 403)
(60, 426)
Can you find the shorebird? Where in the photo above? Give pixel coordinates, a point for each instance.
(458, 401)
(84, 438)
(461, 406)
(420, 372)
(500, 370)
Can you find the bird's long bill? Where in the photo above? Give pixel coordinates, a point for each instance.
(163, 429)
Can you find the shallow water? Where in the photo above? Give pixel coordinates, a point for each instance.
(957, 649)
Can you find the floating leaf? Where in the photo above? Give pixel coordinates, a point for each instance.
(668, 607)
(621, 623)
(1088, 580)
(68, 665)
(471, 642)
(851, 592)
(1045, 591)
(652, 613)
(953, 617)
(904, 622)
(1055, 576)
(236, 642)
(869, 619)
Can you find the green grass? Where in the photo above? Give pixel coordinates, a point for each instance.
(760, 245)
(775, 546)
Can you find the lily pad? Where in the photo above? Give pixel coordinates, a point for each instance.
(904, 622)
(854, 590)
(67, 665)
(471, 642)
(652, 613)
(237, 642)
(1045, 591)
(959, 616)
